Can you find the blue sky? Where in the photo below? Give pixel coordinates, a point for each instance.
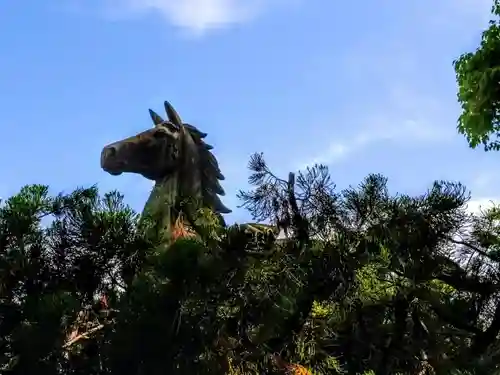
(360, 87)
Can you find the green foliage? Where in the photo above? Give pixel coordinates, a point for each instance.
(363, 283)
(56, 253)
(478, 78)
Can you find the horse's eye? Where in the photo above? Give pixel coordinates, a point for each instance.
(160, 135)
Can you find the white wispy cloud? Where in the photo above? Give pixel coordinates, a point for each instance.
(404, 130)
(411, 117)
(483, 186)
(475, 206)
(403, 113)
(195, 16)
(484, 181)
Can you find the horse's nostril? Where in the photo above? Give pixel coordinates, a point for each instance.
(110, 152)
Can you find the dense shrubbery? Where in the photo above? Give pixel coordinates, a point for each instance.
(363, 282)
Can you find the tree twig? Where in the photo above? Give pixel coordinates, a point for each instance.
(84, 335)
(468, 245)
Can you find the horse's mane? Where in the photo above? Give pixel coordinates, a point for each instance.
(210, 172)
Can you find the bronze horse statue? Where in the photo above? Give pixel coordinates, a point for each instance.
(186, 174)
(175, 156)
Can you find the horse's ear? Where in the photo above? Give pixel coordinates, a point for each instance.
(173, 116)
(157, 120)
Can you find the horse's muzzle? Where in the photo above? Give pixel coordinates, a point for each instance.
(109, 160)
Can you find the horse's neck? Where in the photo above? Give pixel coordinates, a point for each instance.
(161, 205)
(180, 191)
